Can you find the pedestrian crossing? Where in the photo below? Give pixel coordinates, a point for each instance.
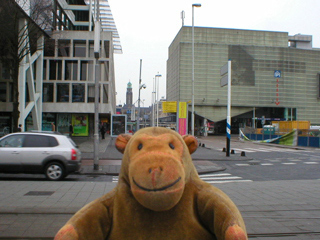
(253, 150)
(222, 178)
(275, 162)
(211, 178)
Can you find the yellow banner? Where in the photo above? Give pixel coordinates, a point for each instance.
(182, 110)
(169, 107)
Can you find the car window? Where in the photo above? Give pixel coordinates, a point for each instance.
(12, 141)
(40, 141)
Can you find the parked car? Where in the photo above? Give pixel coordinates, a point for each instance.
(53, 154)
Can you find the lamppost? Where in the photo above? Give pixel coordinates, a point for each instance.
(97, 29)
(139, 100)
(192, 113)
(140, 86)
(153, 100)
(157, 97)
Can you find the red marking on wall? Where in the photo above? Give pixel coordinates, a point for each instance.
(277, 93)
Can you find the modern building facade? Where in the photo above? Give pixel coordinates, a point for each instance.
(67, 91)
(274, 76)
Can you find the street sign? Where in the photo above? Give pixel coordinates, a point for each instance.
(224, 69)
(277, 74)
(224, 81)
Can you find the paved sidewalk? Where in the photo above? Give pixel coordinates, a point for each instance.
(271, 210)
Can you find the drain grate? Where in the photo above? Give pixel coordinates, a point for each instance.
(39, 193)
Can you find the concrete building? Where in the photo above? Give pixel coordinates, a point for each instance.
(274, 76)
(67, 90)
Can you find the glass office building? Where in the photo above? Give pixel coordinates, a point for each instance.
(65, 73)
(274, 76)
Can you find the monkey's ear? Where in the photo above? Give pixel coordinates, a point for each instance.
(192, 143)
(122, 141)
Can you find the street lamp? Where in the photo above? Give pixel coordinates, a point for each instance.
(153, 100)
(138, 119)
(157, 97)
(192, 113)
(140, 86)
(97, 29)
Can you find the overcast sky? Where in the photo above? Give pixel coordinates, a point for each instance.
(147, 28)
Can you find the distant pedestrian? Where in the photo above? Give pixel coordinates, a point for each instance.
(20, 128)
(53, 127)
(70, 130)
(103, 131)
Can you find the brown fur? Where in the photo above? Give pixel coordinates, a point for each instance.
(159, 196)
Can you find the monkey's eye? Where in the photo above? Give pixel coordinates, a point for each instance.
(140, 146)
(171, 145)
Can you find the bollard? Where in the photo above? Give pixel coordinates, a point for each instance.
(243, 154)
(224, 150)
(203, 145)
(232, 151)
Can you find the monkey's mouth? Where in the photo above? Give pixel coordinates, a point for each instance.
(156, 189)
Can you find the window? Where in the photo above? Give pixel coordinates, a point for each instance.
(12, 141)
(11, 92)
(318, 85)
(91, 93)
(107, 48)
(79, 48)
(71, 70)
(63, 48)
(40, 141)
(3, 91)
(5, 73)
(47, 92)
(83, 70)
(105, 93)
(44, 69)
(63, 92)
(49, 47)
(55, 70)
(77, 92)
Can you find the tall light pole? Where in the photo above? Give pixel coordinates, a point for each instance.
(157, 97)
(97, 29)
(192, 113)
(153, 100)
(138, 119)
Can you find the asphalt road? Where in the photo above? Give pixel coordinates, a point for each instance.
(267, 163)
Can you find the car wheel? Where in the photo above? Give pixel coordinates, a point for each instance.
(54, 171)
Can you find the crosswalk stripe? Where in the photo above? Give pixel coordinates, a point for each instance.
(311, 162)
(242, 150)
(221, 178)
(215, 174)
(229, 181)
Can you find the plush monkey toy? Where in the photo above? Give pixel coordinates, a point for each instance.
(159, 196)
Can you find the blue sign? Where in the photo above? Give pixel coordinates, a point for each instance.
(277, 74)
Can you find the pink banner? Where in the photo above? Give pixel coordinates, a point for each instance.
(182, 126)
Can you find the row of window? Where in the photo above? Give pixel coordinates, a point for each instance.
(74, 48)
(60, 92)
(77, 70)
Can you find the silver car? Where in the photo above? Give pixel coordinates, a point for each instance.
(53, 154)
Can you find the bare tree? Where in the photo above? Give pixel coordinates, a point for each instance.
(16, 41)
